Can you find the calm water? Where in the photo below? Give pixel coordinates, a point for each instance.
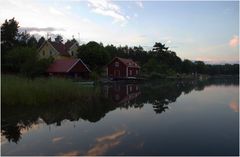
(157, 118)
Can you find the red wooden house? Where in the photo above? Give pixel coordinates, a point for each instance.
(69, 67)
(122, 68)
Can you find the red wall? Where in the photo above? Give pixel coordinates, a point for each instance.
(79, 68)
(120, 92)
(112, 67)
(134, 73)
(122, 70)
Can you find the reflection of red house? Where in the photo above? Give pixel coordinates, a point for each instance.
(122, 68)
(122, 93)
(68, 67)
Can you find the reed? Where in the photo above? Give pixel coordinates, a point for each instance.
(17, 90)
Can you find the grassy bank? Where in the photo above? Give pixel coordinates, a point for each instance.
(18, 90)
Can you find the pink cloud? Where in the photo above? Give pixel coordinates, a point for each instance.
(234, 41)
(234, 106)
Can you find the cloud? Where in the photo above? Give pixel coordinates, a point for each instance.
(37, 29)
(111, 136)
(56, 139)
(70, 153)
(234, 41)
(234, 106)
(55, 11)
(139, 3)
(105, 143)
(107, 8)
(135, 15)
(68, 7)
(169, 41)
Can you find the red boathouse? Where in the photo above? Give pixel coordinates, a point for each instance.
(69, 67)
(122, 68)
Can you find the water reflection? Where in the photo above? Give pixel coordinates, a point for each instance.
(234, 106)
(106, 142)
(18, 119)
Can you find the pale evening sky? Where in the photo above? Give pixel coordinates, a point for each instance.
(207, 31)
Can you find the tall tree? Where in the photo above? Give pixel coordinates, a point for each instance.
(94, 55)
(40, 41)
(9, 32)
(59, 39)
(159, 47)
(32, 42)
(22, 38)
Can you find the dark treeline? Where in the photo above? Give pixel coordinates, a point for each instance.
(159, 60)
(19, 55)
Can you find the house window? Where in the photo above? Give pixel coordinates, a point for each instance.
(130, 72)
(72, 53)
(43, 53)
(50, 52)
(136, 72)
(116, 64)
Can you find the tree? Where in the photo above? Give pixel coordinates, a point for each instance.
(9, 31)
(200, 67)
(22, 38)
(40, 41)
(159, 47)
(32, 42)
(25, 60)
(59, 39)
(94, 55)
(187, 66)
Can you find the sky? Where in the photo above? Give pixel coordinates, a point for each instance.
(195, 30)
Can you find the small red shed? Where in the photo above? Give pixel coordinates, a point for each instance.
(122, 68)
(69, 67)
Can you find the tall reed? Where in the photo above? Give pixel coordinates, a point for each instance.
(18, 90)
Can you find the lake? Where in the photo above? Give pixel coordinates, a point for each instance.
(151, 118)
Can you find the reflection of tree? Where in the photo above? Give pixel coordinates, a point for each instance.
(159, 94)
(17, 118)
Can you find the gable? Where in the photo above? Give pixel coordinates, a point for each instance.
(113, 63)
(46, 50)
(73, 50)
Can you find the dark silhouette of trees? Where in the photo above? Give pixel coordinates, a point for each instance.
(159, 61)
(59, 39)
(32, 42)
(40, 41)
(9, 32)
(94, 55)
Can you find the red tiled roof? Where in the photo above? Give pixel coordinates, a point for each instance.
(62, 65)
(61, 48)
(68, 45)
(128, 62)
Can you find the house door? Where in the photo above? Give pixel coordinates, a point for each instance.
(116, 73)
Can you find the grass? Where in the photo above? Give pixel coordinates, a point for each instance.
(18, 90)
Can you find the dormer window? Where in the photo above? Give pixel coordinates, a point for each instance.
(116, 64)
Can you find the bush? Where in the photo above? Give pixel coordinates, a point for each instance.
(155, 75)
(94, 76)
(25, 60)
